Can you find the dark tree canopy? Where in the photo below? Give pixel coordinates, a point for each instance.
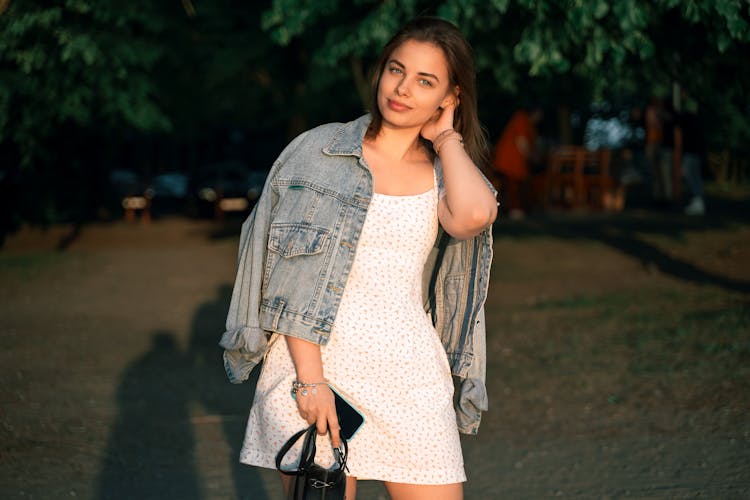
(87, 86)
(586, 49)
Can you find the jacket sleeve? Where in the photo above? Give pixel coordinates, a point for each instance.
(472, 396)
(244, 341)
(472, 400)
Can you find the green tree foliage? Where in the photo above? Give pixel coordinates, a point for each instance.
(607, 48)
(86, 85)
(72, 73)
(76, 64)
(89, 86)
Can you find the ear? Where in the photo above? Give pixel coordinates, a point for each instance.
(451, 97)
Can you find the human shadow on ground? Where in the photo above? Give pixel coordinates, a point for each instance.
(624, 233)
(151, 452)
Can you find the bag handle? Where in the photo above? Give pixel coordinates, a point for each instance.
(308, 451)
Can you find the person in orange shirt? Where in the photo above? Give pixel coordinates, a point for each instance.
(511, 158)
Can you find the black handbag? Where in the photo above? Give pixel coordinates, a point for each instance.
(312, 481)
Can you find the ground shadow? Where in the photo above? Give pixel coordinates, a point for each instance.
(211, 388)
(151, 446)
(624, 232)
(69, 238)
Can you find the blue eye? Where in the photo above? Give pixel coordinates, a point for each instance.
(394, 69)
(426, 83)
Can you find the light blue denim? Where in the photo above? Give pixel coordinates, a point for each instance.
(297, 248)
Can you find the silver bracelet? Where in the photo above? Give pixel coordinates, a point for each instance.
(304, 389)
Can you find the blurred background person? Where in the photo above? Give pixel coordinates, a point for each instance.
(692, 138)
(660, 148)
(513, 152)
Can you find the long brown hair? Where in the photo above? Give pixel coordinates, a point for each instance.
(460, 58)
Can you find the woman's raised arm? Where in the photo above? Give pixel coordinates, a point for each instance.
(469, 204)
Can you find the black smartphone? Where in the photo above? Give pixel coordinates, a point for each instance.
(350, 419)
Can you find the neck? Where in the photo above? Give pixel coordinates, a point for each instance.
(398, 143)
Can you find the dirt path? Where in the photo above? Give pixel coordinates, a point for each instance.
(618, 364)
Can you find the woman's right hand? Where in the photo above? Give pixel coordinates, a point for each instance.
(318, 407)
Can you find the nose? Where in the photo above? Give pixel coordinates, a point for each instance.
(402, 88)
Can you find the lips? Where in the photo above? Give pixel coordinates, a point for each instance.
(397, 106)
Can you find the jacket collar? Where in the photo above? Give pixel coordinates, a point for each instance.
(347, 141)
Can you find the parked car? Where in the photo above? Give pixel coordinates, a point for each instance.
(168, 193)
(221, 188)
(125, 183)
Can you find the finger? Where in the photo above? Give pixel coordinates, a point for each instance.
(333, 425)
(322, 425)
(446, 117)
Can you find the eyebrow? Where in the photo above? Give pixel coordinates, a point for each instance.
(421, 73)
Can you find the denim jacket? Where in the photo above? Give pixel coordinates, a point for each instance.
(297, 248)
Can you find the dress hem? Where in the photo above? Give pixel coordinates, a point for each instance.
(402, 476)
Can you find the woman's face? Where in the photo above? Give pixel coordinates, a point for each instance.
(414, 84)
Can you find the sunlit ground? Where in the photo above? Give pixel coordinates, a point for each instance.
(619, 348)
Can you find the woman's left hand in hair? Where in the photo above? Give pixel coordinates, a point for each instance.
(441, 120)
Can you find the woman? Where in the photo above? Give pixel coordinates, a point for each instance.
(368, 258)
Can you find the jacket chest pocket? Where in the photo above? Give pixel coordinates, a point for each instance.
(294, 239)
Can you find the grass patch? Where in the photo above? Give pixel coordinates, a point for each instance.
(599, 301)
(708, 343)
(28, 263)
(670, 334)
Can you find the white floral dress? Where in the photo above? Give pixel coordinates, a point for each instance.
(383, 354)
